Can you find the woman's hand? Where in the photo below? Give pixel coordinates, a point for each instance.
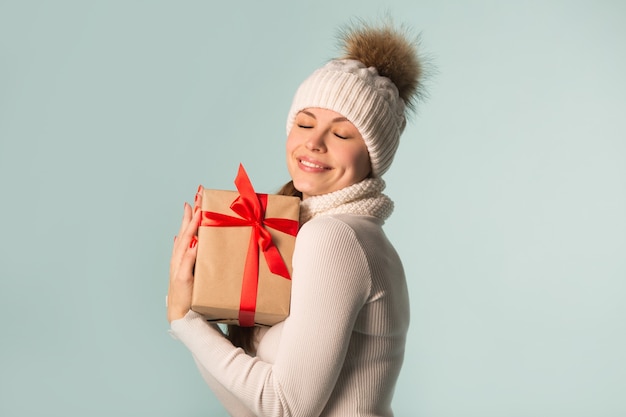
(183, 261)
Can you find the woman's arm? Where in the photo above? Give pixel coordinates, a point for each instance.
(232, 404)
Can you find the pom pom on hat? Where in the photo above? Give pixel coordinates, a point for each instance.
(373, 86)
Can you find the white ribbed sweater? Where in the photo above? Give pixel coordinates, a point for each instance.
(340, 351)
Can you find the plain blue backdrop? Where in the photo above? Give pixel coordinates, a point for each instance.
(510, 191)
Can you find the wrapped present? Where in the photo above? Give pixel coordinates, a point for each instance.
(243, 266)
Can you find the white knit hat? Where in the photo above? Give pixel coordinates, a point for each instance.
(370, 101)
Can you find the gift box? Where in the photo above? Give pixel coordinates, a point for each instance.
(245, 244)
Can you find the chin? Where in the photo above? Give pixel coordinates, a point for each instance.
(303, 188)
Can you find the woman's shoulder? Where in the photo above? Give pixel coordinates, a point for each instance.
(322, 226)
(331, 245)
(345, 224)
(341, 231)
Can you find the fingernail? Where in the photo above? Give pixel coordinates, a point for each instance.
(175, 238)
(199, 188)
(193, 243)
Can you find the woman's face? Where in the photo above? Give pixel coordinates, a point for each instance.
(325, 152)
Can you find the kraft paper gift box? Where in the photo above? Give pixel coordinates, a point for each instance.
(234, 282)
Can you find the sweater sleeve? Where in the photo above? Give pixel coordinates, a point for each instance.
(233, 406)
(330, 283)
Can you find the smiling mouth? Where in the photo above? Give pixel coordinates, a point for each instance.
(312, 165)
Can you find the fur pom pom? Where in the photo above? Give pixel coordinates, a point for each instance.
(390, 51)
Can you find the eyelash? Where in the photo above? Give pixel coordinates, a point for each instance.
(302, 126)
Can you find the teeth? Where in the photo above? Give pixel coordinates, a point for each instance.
(309, 164)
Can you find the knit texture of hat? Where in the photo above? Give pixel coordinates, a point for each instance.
(370, 101)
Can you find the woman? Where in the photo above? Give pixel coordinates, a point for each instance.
(340, 351)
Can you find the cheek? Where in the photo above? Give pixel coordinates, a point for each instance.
(291, 146)
(291, 142)
(361, 160)
(365, 166)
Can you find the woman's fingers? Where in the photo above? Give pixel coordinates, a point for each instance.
(197, 205)
(184, 241)
(183, 260)
(185, 220)
(181, 284)
(192, 226)
(185, 271)
(179, 244)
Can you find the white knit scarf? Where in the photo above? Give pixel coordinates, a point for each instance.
(363, 198)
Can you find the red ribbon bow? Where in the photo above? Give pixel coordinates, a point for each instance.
(251, 207)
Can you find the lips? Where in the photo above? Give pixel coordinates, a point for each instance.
(311, 165)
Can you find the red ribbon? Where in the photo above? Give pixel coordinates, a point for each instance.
(251, 207)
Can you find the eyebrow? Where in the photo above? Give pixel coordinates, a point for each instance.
(336, 119)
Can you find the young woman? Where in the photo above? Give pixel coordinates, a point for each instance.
(340, 351)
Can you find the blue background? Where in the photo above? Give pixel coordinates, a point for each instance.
(510, 191)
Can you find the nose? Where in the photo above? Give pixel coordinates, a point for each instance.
(315, 143)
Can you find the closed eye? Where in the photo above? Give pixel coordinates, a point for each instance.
(304, 126)
(341, 136)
